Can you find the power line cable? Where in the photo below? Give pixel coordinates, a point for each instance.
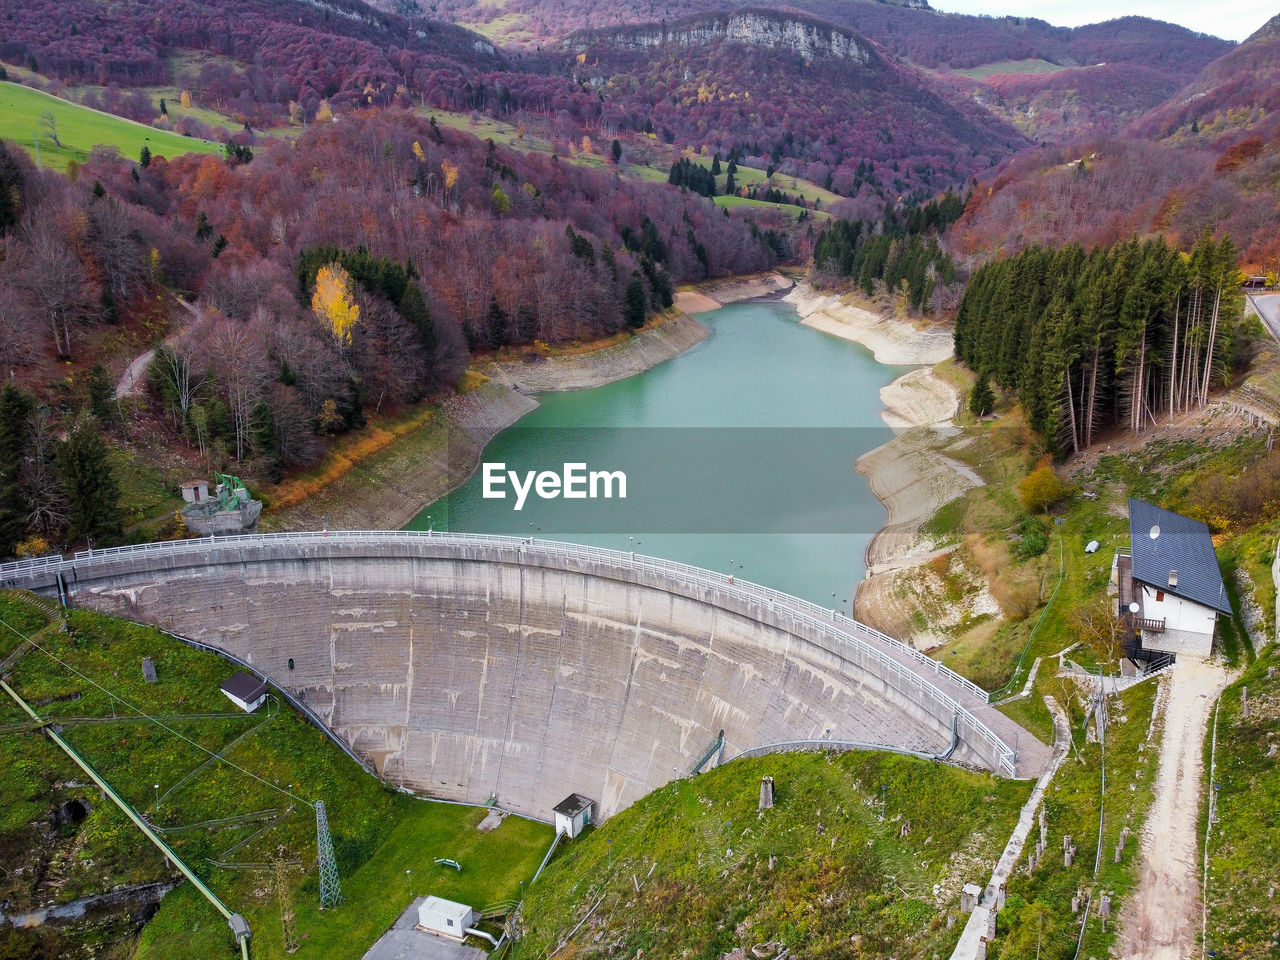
(147, 716)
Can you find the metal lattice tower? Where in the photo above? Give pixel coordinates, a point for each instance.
(330, 885)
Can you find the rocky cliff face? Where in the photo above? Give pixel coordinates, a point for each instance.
(807, 38)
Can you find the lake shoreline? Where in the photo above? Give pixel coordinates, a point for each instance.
(909, 474)
(390, 488)
(893, 342)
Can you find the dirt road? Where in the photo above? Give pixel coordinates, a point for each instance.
(1162, 918)
(133, 374)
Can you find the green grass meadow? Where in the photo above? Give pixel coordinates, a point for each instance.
(820, 871)
(81, 129)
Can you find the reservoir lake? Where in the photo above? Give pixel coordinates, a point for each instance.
(739, 457)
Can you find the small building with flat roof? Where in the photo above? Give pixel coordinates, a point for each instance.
(445, 918)
(246, 692)
(195, 491)
(572, 814)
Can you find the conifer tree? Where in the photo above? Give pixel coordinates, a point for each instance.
(981, 398)
(89, 484)
(263, 441)
(636, 302)
(102, 395)
(16, 407)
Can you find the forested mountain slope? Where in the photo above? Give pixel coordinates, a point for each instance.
(812, 99)
(1025, 70)
(349, 272)
(912, 31)
(1235, 96)
(1204, 160)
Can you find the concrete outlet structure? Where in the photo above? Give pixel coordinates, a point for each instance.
(472, 667)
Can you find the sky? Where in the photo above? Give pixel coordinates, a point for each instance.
(1230, 19)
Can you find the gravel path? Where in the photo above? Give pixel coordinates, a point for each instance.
(1162, 918)
(133, 374)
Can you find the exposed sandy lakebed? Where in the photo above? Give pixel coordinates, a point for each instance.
(893, 342)
(911, 474)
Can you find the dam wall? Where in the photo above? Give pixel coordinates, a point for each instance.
(472, 668)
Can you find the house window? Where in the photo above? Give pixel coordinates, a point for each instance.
(449, 921)
(1159, 595)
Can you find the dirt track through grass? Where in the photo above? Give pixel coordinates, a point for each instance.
(1162, 918)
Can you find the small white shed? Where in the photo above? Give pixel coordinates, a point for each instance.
(445, 918)
(246, 692)
(572, 814)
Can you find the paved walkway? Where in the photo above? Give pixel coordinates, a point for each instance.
(1033, 756)
(133, 374)
(1267, 306)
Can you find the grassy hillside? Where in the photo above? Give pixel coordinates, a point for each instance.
(817, 872)
(1037, 920)
(228, 816)
(81, 129)
(653, 167)
(1033, 65)
(1241, 894)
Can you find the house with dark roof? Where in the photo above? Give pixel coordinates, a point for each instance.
(246, 692)
(1169, 584)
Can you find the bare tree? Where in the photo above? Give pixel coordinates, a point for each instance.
(117, 246)
(17, 339)
(174, 368)
(54, 281)
(313, 360)
(294, 426)
(39, 478)
(49, 123)
(238, 290)
(236, 353)
(1099, 627)
(387, 354)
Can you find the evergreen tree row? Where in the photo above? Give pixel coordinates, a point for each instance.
(693, 176)
(1117, 336)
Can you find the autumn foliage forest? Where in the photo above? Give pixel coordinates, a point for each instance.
(349, 254)
(351, 271)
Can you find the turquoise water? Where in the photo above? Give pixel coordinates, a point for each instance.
(739, 456)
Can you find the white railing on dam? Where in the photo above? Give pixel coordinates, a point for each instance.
(903, 662)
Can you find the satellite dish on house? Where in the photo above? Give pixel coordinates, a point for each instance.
(1155, 532)
(1133, 607)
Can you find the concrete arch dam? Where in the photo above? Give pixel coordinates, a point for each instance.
(469, 667)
